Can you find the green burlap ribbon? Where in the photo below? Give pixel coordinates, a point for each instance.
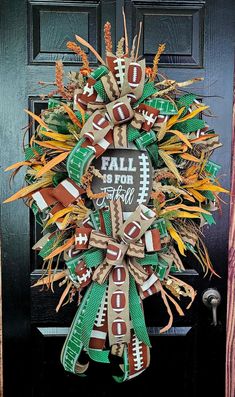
(81, 328)
(137, 315)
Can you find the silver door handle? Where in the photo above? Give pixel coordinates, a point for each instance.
(211, 299)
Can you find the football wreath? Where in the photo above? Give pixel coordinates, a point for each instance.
(119, 177)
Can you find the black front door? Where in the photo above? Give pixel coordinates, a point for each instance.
(189, 360)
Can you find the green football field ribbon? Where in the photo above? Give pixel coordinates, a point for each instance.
(78, 162)
(148, 90)
(185, 101)
(73, 345)
(81, 328)
(165, 107)
(145, 139)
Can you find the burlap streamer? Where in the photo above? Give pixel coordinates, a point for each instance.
(121, 244)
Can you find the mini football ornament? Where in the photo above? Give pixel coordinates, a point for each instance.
(119, 177)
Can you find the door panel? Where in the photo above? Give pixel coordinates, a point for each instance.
(52, 24)
(180, 26)
(198, 36)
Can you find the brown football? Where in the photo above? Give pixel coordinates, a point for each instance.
(150, 114)
(119, 275)
(119, 328)
(99, 122)
(132, 230)
(121, 112)
(138, 356)
(134, 75)
(83, 274)
(118, 301)
(132, 98)
(113, 252)
(89, 94)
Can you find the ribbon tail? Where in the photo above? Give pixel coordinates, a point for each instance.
(137, 315)
(136, 359)
(73, 345)
(80, 369)
(99, 333)
(96, 295)
(164, 298)
(138, 356)
(118, 305)
(100, 356)
(124, 367)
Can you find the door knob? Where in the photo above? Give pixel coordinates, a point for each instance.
(211, 299)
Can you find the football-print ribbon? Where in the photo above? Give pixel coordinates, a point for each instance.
(58, 198)
(118, 91)
(117, 312)
(116, 269)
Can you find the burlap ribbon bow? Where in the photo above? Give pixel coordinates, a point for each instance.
(121, 250)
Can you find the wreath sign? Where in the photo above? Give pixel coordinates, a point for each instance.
(119, 176)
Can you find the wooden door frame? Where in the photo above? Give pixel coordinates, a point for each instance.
(230, 334)
(1, 347)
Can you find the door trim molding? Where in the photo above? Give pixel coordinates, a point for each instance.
(152, 331)
(230, 339)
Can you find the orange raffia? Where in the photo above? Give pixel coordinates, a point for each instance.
(156, 60)
(19, 164)
(48, 279)
(77, 49)
(165, 295)
(87, 180)
(82, 111)
(190, 157)
(107, 37)
(72, 115)
(158, 196)
(184, 207)
(89, 46)
(29, 189)
(59, 73)
(39, 120)
(148, 71)
(62, 248)
(63, 296)
(52, 163)
(61, 146)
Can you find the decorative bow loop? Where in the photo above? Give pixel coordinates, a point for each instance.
(115, 253)
(124, 242)
(114, 104)
(119, 253)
